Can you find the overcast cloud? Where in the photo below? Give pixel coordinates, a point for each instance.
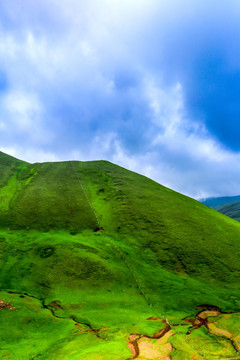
(151, 85)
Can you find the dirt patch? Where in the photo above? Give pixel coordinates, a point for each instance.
(133, 345)
(208, 313)
(161, 332)
(154, 351)
(78, 325)
(202, 319)
(216, 331)
(141, 345)
(165, 337)
(138, 344)
(154, 318)
(196, 323)
(6, 305)
(235, 340)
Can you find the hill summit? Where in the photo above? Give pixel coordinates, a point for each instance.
(121, 262)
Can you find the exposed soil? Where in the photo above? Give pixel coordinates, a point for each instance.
(137, 343)
(160, 333)
(202, 319)
(216, 331)
(6, 305)
(133, 345)
(159, 351)
(139, 346)
(235, 340)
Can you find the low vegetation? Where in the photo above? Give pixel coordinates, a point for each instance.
(96, 260)
(231, 209)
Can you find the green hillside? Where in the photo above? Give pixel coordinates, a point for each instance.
(98, 262)
(227, 205)
(215, 202)
(231, 209)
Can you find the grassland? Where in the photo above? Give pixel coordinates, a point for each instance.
(90, 251)
(228, 205)
(231, 209)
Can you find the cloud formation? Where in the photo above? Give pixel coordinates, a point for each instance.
(150, 85)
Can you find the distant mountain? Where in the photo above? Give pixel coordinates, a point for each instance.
(215, 202)
(227, 205)
(231, 209)
(98, 262)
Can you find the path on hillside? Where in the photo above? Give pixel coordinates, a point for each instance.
(122, 255)
(85, 194)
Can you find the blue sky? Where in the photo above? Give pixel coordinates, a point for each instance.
(152, 85)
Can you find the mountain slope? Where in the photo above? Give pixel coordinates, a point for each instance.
(215, 202)
(228, 205)
(231, 209)
(101, 249)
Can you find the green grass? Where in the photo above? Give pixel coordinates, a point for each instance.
(160, 254)
(231, 209)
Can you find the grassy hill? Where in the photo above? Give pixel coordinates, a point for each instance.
(231, 209)
(227, 205)
(98, 262)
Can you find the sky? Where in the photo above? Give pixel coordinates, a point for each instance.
(151, 85)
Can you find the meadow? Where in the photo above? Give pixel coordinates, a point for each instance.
(98, 262)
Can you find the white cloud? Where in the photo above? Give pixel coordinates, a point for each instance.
(22, 114)
(23, 109)
(62, 60)
(167, 106)
(30, 155)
